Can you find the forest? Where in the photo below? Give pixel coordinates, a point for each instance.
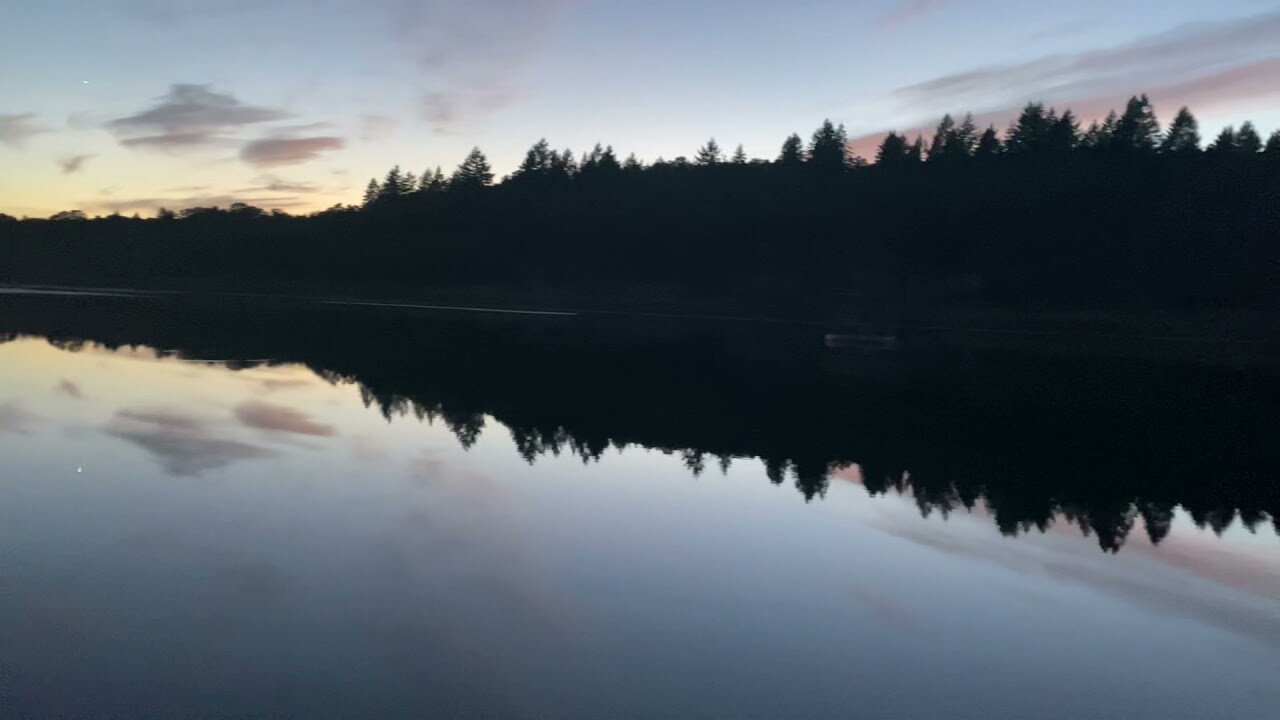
(1125, 214)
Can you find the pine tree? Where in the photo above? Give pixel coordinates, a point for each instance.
(1225, 143)
(1138, 130)
(632, 164)
(537, 164)
(792, 151)
(892, 151)
(609, 161)
(915, 154)
(392, 185)
(1030, 132)
(433, 182)
(1183, 136)
(709, 154)
(739, 156)
(474, 172)
(829, 147)
(1064, 133)
(1272, 150)
(960, 144)
(372, 192)
(1248, 142)
(989, 144)
(938, 148)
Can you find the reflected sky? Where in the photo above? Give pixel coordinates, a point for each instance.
(178, 539)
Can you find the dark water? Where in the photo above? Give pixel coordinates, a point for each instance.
(250, 511)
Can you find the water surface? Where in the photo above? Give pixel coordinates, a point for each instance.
(377, 513)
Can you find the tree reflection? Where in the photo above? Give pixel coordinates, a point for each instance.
(1029, 440)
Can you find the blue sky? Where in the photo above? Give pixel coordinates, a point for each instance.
(130, 104)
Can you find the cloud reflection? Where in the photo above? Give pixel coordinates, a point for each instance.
(184, 445)
(280, 418)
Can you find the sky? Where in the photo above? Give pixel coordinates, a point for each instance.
(130, 105)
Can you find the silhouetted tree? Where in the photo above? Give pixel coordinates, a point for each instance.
(1248, 142)
(938, 148)
(632, 164)
(1272, 149)
(1225, 143)
(433, 181)
(65, 215)
(829, 147)
(739, 156)
(1183, 136)
(709, 154)
(1137, 130)
(1064, 133)
(989, 144)
(792, 151)
(474, 173)
(372, 192)
(1029, 134)
(1099, 136)
(915, 153)
(892, 151)
(538, 164)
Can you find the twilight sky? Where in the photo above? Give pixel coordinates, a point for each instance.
(128, 105)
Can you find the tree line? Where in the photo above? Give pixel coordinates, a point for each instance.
(954, 431)
(1122, 214)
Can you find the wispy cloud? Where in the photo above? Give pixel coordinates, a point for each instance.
(184, 445)
(73, 164)
(281, 418)
(471, 55)
(16, 129)
(152, 204)
(288, 151)
(70, 389)
(273, 184)
(189, 116)
(906, 12)
(1184, 53)
(376, 127)
(1222, 66)
(15, 419)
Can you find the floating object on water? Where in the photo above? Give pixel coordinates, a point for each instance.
(864, 342)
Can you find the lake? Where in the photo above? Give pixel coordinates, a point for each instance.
(241, 509)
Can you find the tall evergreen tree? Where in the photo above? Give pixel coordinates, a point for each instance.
(393, 184)
(1272, 150)
(474, 172)
(989, 144)
(709, 154)
(915, 153)
(892, 151)
(433, 182)
(1248, 142)
(537, 164)
(829, 147)
(1138, 130)
(1064, 133)
(962, 142)
(609, 161)
(938, 148)
(1030, 132)
(1225, 143)
(792, 151)
(372, 192)
(632, 164)
(739, 156)
(1183, 136)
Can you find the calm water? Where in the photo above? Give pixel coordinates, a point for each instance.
(250, 513)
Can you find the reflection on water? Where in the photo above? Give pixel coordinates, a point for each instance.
(402, 515)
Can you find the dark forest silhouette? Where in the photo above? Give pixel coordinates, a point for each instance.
(1035, 438)
(1123, 214)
